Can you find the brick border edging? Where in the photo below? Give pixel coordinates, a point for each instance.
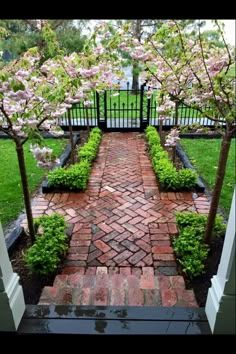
(200, 187)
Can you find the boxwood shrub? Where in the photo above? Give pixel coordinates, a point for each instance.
(43, 257)
(77, 175)
(169, 178)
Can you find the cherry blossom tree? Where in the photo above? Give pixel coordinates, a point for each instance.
(35, 92)
(195, 73)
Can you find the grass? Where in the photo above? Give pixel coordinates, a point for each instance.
(204, 155)
(11, 196)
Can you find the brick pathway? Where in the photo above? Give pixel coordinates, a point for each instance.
(120, 251)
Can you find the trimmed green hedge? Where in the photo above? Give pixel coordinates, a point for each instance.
(189, 247)
(168, 176)
(77, 175)
(43, 257)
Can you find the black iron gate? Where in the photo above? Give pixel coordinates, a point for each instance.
(126, 109)
(114, 110)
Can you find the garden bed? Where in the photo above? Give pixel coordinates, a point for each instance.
(14, 231)
(32, 284)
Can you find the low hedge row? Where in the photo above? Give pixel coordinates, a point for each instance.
(77, 175)
(189, 247)
(43, 257)
(169, 178)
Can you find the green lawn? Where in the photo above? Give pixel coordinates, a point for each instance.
(204, 155)
(11, 197)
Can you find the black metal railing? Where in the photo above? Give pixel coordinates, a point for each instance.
(129, 109)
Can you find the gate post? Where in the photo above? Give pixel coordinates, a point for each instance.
(143, 124)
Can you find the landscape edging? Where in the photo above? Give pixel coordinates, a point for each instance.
(200, 187)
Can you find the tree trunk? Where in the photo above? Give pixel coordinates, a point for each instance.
(176, 113)
(24, 182)
(224, 152)
(135, 79)
(137, 35)
(72, 154)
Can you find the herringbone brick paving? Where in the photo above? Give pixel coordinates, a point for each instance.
(122, 224)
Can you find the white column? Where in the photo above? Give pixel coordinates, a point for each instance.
(12, 305)
(220, 305)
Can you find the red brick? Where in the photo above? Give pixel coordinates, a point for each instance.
(136, 271)
(105, 257)
(77, 257)
(117, 297)
(117, 227)
(101, 270)
(102, 280)
(78, 250)
(117, 281)
(162, 229)
(122, 256)
(89, 281)
(145, 246)
(130, 245)
(171, 196)
(98, 235)
(135, 297)
(102, 246)
(60, 280)
(137, 257)
(104, 227)
(81, 297)
(168, 297)
(91, 271)
(124, 219)
(177, 281)
(162, 249)
(152, 297)
(79, 243)
(133, 281)
(74, 280)
(71, 270)
(160, 237)
(172, 228)
(130, 227)
(147, 281)
(164, 282)
(148, 260)
(163, 257)
(185, 295)
(100, 297)
(148, 271)
(125, 271)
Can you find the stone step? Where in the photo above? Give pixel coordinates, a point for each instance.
(102, 288)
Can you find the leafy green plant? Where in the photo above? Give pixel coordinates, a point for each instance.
(189, 247)
(199, 221)
(169, 178)
(43, 257)
(77, 175)
(191, 252)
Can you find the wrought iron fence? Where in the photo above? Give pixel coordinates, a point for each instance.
(129, 109)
